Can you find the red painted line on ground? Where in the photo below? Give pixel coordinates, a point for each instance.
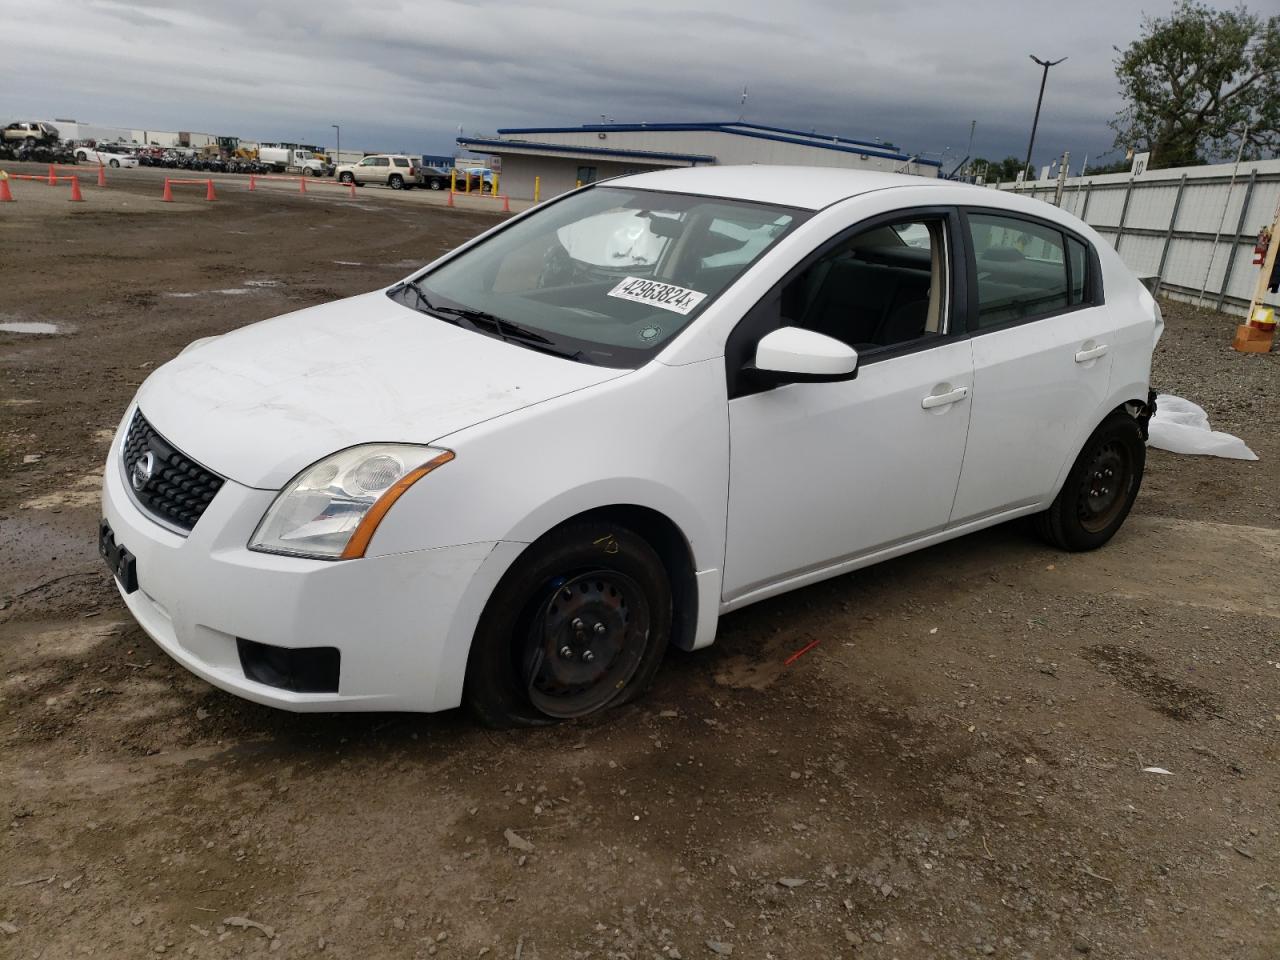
(799, 653)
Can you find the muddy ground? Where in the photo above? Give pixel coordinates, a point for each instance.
(955, 770)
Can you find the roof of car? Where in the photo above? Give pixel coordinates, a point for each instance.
(810, 188)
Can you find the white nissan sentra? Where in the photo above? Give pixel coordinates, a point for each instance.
(514, 478)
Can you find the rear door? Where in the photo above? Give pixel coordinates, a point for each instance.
(1041, 337)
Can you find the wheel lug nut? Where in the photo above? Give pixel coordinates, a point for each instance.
(600, 628)
(566, 651)
(577, 623)
(587, 656)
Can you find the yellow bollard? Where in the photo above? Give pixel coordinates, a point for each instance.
(467, 188)
(537, 187)
(494, 191)
(577, 185)
(453, 181)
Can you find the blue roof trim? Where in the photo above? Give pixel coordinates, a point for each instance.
(468, 142)
(886, 151)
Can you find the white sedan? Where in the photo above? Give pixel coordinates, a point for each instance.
(513, 479)
(107, 154)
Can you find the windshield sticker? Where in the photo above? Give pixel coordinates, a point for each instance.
(666, 296)
(650, 333)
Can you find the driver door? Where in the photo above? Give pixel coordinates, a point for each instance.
(822, 474)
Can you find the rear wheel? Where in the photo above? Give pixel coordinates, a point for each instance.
(578, 624)
(345, 177)
(1100, 488)
(115, 163)
(437, 184)
(396, 182)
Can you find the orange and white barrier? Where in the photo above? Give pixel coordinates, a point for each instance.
(167, 197)
(302, 182)
(6, 195)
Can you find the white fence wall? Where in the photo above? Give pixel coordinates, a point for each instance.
(1164, 222)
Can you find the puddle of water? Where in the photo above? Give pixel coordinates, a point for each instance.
(232, 291)
(349, 263)
(29, 327)
(263, 283)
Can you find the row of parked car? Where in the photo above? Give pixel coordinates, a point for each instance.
(402, 172)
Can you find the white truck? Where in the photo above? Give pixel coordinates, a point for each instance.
(285, 159)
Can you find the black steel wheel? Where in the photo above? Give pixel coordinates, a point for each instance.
(578, 624)
(1100, 488)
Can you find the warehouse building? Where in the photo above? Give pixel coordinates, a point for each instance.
(559, 158)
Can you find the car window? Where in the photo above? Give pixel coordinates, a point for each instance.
(1080, 289)
(381, 162)
(1021, 269)
(401, 162)
(883, 287)
(366, 162)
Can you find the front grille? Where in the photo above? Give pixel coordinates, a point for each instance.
(177, 490)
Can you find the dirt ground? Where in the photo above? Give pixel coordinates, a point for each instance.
(955, 770)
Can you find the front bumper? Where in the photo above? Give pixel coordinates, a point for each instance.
(402, 623)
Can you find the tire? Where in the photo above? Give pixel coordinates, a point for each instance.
(308, 172)
(596, 589)
(346, 177)
(436, 184)
(1100, 487)
(82, 156)
(395, 182)
(115, 163)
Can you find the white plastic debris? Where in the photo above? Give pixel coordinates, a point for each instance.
(1160, 770)
(1180, 426)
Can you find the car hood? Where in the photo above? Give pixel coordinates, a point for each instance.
(259, 404)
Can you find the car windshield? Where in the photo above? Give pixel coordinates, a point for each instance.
(606, 275)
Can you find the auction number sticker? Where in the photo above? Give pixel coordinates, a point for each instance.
(666, 296)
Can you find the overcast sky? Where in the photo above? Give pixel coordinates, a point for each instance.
(407, 75)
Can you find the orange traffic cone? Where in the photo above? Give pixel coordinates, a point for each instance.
(168, 192)
(209, 194)
(450, 203)
(102, 174)
(253, 182)
(53, 176)
(6, 195)
(506, 203)
(352, 185)
(302, 184)
(75, 189)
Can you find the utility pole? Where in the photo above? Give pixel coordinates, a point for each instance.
(337, 150)
(1039, 100)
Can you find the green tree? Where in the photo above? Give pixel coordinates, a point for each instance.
(1195, 80)
(996, 170)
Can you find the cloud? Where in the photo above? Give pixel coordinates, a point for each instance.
(402, 75)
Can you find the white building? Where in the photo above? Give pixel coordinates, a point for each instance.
(562, 157)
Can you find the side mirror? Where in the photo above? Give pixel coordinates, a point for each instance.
(793, 354)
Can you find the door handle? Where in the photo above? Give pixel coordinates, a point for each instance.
(943, 399)
(1084, 356)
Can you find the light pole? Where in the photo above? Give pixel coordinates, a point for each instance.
(337, 150)
(1036, 122)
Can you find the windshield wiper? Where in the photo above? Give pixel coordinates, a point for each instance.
(505, 330)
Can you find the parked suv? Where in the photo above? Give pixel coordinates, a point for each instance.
(31, 130)
(389, 169)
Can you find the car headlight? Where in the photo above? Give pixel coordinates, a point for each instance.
(331, 509)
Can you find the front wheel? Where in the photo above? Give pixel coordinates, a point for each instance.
(1100, 488)
(578, 624)
(115, 163)
(437, 185)
(345, 178)
(396, 182)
